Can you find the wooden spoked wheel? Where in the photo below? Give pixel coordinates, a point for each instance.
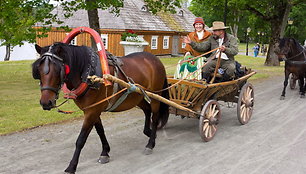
(210, 117)
(245, 103)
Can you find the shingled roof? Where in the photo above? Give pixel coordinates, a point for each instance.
(133, 16)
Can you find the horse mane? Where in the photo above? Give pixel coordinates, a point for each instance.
(288, 39)
(76, 57)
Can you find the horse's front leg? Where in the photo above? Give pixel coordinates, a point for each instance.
(81, 140)
(285, 85)
(104, 157)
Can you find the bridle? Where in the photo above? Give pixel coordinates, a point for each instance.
(302, 52)
(290, 58)
(49, 56)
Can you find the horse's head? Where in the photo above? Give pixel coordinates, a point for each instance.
(282, 48)
(288, 49)
(50, 70)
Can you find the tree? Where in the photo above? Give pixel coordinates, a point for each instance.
(276, 13)
(261, 15)
(17, 18)
(226, 10)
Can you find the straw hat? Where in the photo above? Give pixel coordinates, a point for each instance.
(218, 25)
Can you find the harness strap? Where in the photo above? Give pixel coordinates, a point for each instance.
(123, 97)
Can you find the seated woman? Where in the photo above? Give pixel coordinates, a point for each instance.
(185, 68)
(198, 35)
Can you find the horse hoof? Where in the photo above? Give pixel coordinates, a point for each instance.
(148, 151)
(103, 159)
(302, 96)
(69, 172)
(282, 97)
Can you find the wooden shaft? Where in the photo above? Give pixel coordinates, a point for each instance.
(217, 67)
(150, 94)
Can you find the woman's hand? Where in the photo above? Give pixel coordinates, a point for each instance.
(186, 39)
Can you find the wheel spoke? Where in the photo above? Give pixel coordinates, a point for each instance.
(205, 126)
(243, 112)
(216, 112)
(209, 132)
(214, 108)
(241, 107)
(209, 110)
(206, 131)
(250, 91)
(246, 115)
(214, 129)
(243, 100)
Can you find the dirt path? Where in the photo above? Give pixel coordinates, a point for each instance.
(273, 142)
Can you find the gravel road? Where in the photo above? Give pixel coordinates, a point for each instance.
(274, 141)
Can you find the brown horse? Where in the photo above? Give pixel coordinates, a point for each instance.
(66, 64)
(289, 50)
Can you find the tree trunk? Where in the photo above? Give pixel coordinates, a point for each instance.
(8, 52)
(93, 20)
(278, 26)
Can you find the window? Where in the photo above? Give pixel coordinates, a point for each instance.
(154, 42)
(73, 41)
(144, 8)
(183, 45)
(104, 38)
(181, 13)
(166, 42)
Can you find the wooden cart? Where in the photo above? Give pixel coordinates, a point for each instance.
(197, 99)
(203, 99)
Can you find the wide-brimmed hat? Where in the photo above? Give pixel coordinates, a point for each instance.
(198, 20)
(218, 25)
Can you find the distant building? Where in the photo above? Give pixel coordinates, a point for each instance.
(161, 31)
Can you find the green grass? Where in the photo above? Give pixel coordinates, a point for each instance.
(19, 99)
(20, 93)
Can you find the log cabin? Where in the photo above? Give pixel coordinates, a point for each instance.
(162, 31)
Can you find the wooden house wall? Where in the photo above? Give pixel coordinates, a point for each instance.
(114, 37)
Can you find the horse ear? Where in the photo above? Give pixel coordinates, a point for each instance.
(38, 48)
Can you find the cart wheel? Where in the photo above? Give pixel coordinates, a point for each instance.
(210, 117)
(292, 82)
(245, 103)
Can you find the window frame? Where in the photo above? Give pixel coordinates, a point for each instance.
(104, 36)
(167, 38)
(154, 46)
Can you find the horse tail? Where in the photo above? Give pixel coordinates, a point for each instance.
(164, 108)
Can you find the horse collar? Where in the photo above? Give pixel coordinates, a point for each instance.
(73, 94)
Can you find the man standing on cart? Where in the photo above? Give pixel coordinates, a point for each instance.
(228, 45)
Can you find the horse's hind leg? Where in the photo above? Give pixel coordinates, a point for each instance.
(155, 117)
(104, 157)
(285, 85)
(302, 87)
(147, 111)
